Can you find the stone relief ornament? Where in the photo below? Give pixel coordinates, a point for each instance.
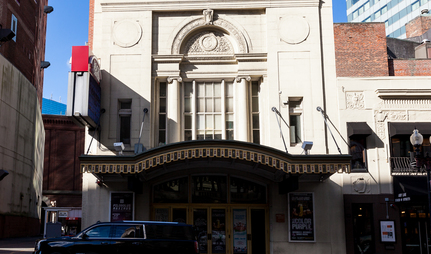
(208, 16)
(208, 43)
(361, 185)
(355, 100)
(126, 33)
(397, 115)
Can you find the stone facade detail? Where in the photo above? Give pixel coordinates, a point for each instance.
(221, 24)
(208, 43)
(355, 100)
(293, 30)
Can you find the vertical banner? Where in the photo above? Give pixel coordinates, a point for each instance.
(301, 217)
(240, 231)
(121, 206)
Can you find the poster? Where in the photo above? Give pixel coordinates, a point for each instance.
(239, 231)
(121, 206)
(387, 231)
(301, 217)
(218, 231)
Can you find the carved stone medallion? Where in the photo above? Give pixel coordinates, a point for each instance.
(293, 30)
(127, 33)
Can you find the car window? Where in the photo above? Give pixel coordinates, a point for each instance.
(98, 232)
(126, 231)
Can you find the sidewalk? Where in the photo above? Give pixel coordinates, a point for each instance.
(22, 245)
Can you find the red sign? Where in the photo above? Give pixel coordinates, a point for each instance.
(80, 55)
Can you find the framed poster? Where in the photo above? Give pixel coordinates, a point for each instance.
(387, 231)
(122, 206)
(301, 217)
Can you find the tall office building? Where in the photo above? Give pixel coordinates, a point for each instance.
(395, 13)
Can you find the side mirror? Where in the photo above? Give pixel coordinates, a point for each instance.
(84, 236)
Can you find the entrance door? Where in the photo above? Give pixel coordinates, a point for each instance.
(210, 224)
(416, 236)
(231, 230)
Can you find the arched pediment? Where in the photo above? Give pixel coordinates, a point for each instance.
(215, 37)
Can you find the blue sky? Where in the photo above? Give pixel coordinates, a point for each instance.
(68, 26)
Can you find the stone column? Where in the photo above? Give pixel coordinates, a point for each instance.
(173, 110)
(241, 108)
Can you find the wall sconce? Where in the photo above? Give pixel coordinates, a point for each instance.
(44, 64)
(119, 147)
(3, 174)
(48, 9)
(307, 145)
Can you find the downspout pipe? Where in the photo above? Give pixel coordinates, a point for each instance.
(322, 63)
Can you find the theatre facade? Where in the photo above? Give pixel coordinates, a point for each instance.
(205, 113)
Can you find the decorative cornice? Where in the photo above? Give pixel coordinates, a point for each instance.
(156, 5)
(403, 93)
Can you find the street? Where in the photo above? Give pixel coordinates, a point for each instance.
(24, 245)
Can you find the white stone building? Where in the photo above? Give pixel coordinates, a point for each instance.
(199, 84)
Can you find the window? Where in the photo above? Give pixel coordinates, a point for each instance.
(99, 232)
(126, 231)
(208, 110)
(14, 26)
(295, 112)
(172, 191)
(162, 113)
(125, 114)
(255, 111)
(358, 151)
(209, 189)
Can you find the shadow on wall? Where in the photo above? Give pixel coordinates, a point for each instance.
(124, 118)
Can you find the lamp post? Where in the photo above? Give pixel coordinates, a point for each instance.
(416, 139)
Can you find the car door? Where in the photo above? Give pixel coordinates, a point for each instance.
(96, 240)
(127, 239)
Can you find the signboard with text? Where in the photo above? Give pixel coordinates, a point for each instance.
(301, 217)
(122, 206)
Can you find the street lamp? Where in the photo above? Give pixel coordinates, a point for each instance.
(416, 139)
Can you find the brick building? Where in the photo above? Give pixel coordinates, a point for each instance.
(62, 179)
(26, 50)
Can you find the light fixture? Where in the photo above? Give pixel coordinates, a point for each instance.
(307, 145)
(48, 9)
(3, 174)
(6, 34)
(119, 147)
(44, 64)
(416, 138)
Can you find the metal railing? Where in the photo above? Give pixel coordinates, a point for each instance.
(405, 166)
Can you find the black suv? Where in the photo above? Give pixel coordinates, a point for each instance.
(128, 237)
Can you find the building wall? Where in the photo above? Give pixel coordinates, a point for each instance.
(360, 50)
(62, 179)
(289, 52)
(21, 154)
(418, 25)
(28, 50)
(409, 67)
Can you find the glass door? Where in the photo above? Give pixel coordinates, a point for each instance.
(210, 226)
(416, 237)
